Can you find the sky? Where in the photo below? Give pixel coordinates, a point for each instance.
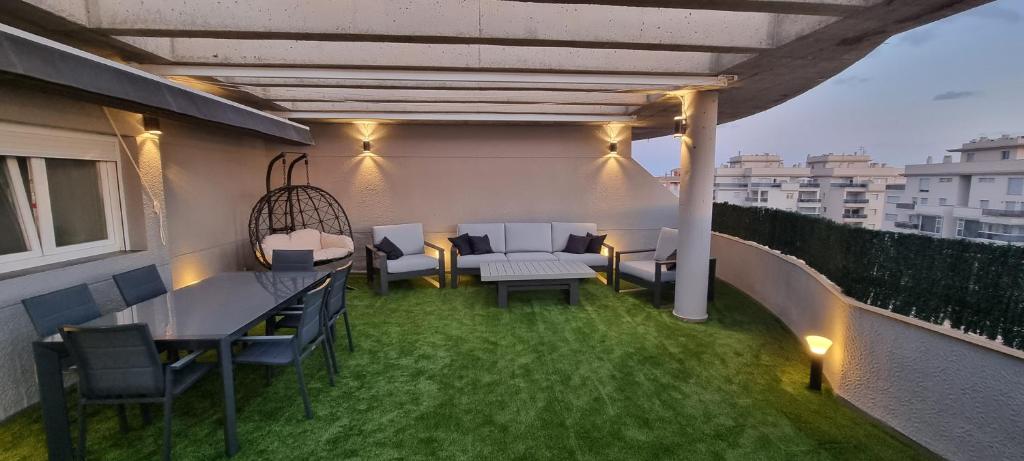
(921, 92)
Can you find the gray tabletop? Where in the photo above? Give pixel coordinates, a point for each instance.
(534, 270)
(212, 308)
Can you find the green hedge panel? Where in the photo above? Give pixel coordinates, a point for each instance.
(974, 287)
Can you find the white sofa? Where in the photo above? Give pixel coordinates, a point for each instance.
(528, 242)
(326, 247)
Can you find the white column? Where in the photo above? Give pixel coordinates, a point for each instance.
(696, 187)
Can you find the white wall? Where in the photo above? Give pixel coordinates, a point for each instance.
(957, 395)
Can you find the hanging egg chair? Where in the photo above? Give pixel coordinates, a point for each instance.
(299, 217)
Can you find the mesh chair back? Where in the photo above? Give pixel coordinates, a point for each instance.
(140, 284)
(292, 260)
(312, 316)
(69, 306)
(115, 361)
(336, 291)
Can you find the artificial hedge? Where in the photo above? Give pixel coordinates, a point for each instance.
(974, 287)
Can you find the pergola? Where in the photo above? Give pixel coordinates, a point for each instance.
(491, 61)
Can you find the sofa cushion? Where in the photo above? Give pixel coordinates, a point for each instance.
(330, 253)
(461, 243)
(493, 231)
(474, 261)
(577, 244)
(531, 256)
(520, 237)
(390, 249)
(306, 239)
(594, 245)
(645, 270)
(409, 263)
(481, 244)
(408, 237)
(336, 241)
(589, 259)
(668, 241)
(560, 232)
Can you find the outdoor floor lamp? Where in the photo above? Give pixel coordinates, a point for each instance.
(818, 345)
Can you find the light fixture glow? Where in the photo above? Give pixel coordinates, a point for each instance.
(679, 126)
(819, 345)
(151, 125)
(613, 148)
(367, 146)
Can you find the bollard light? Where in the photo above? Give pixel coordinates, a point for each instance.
(818, 346)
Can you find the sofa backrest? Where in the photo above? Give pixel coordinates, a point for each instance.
(668, 241)
(494, 231)
(522, 237)
(560, 232)
(408, 237)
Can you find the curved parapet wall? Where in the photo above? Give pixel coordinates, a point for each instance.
(958, 395)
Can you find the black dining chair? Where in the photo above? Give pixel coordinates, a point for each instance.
(285, 350)
(68, 306)
(119, 365)
(292, 261)
(334, 308)
(140, 284)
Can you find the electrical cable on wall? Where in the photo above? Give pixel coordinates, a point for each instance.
(156, 204)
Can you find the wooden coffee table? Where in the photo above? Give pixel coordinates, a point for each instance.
(536, 275)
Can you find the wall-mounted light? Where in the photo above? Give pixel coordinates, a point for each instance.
(151, 125)
(613, 148)
(367, 147)
(679, 128)
(818, 346)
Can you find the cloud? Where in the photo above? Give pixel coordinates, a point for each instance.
(850, 80)
(951, 95)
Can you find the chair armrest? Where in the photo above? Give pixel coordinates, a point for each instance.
(440, 251)
(629, 252)
(377, 253)
(665, 262)
(611, 249)
(185, 361)
(264, 339)
(288, 313)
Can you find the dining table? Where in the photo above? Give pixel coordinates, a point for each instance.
(207, 315)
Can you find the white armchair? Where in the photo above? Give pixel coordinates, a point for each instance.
(413, 261)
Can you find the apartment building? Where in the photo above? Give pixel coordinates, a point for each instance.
(846, 188)
(979, 197)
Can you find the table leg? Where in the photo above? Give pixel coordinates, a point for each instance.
(228, 379)
(502, 295)
(51, 398)
(574, 292)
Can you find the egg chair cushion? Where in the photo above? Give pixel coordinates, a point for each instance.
(325, 246)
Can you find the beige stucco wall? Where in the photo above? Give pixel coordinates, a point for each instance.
(443, 175)
(956, 394)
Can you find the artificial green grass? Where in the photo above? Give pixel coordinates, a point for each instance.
(444, 374)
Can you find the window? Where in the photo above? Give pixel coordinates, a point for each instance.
(931, 224)
(892, 199)
(945, 179)
(63, 206)
(1010, 206)
(987, 180)
(890, 217)
(914, 200)
(1015, 186)
(922, 184)
(923, 201)
(983, 204)
(1005, 155)
(788, 196)
(969, 157)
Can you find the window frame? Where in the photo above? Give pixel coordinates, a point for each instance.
(37, 144)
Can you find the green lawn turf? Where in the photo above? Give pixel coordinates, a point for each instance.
(443, 374)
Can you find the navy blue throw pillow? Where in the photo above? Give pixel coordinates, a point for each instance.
(577, 244)
(462, 244)
(481, 244)
(595, 242)
(390, 249)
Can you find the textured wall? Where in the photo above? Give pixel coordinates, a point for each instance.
(443, 175)
(958, 395)
(17, 382)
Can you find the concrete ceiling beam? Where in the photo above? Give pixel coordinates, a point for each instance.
(805, 7)
(407, 107)
(415, 95)
(271, 82)
(454, 117)
(429, 56)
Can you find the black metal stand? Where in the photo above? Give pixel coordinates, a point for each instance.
(816, 365)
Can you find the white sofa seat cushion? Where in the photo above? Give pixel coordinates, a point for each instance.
(408, 237)
(590, 259)
(560, 232)
(336, 241)
(531, 256)
(325, 246)
(645, 270)
(522, 237)
(474, 261)
(324, 254)
(410, 263)
(668, 241)
(494, 231)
